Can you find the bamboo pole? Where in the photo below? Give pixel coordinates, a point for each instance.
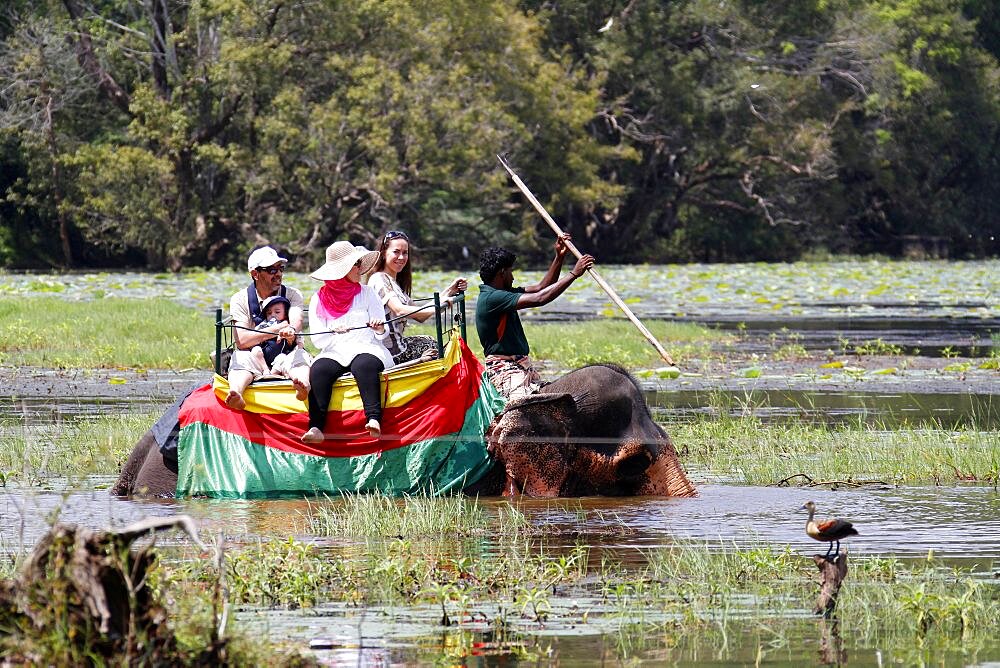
(592, 271)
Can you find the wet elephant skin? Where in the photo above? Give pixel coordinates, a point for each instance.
(588, 433)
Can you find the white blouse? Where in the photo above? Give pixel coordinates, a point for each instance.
(343, 348)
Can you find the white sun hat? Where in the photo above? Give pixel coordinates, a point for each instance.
(265, 256)
(340, 257)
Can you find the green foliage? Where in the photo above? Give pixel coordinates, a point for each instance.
(691, 130)
(87, 447)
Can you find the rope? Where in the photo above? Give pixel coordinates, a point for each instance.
(349, 329)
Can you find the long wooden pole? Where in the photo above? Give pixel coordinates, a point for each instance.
(593, 272)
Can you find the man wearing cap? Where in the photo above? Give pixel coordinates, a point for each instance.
(266, 269)
(499, 327)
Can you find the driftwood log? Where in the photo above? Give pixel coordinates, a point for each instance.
(91, 586)
(832, 574)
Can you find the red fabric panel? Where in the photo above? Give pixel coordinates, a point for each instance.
(439, 411)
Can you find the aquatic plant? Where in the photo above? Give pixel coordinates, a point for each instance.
(876, 347)
(72, 448)
(759, 453)
(418, 515)
(110, 333)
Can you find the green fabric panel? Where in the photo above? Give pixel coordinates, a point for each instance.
(219, 464)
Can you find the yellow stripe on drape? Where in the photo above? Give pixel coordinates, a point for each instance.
(405, 384)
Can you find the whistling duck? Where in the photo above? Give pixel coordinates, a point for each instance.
(830, 531)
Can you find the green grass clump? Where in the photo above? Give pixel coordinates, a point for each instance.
(377, 515)
(106, 333)
(873, 347)
(88, 447)
(687, 588)
(161, 334)
(765, 454)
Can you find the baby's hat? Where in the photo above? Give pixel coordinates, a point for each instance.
(276, 299)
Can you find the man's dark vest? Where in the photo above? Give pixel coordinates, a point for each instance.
(254, 302)
(272, 347)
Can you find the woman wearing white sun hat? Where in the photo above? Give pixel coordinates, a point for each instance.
(348, 326)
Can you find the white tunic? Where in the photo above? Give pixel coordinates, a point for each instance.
(344, 347)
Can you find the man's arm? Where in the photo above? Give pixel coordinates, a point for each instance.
(552, 275)
(547, 294)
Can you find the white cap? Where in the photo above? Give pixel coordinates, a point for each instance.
(264, 256)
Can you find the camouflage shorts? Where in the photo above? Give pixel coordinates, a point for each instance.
(513, 377)
(416, 346)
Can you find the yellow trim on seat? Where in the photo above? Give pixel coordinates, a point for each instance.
(277, 397)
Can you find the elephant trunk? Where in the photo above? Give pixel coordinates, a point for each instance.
(667, 477)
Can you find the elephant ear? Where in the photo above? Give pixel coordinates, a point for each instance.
(562, 403)
(537, 417)
(530, 440)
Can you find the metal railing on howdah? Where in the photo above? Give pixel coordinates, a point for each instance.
(449, 316)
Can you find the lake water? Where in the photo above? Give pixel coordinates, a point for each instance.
(928, 309)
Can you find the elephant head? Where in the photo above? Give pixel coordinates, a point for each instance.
(546, 446)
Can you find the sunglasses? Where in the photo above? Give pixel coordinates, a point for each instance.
(273, 270)
(395, 234)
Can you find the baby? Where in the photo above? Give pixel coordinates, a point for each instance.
(272, 355)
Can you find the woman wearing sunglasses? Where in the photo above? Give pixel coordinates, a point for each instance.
(392, 280)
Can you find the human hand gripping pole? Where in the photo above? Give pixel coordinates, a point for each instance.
(591, 270)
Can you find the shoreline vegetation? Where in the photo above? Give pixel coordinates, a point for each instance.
(425, 560)
(414, 557)
(52, 332)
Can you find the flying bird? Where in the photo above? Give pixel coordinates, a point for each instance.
(607, 26)
(829, 531)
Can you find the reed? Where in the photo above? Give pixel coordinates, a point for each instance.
(758, 453)
(419, 515)
(79, 448)
(685, 590)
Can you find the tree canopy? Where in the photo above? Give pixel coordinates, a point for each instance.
(173, 133)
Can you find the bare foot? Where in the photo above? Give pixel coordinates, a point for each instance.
(374, 428)
(313, 436)
(301, 389)
(235, 400)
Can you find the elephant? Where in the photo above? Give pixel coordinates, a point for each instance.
(589, 432)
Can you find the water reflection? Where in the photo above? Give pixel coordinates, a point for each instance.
(953, 522)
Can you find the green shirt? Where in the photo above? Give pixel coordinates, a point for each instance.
(497, 321)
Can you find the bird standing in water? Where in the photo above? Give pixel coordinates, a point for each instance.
(830, 531)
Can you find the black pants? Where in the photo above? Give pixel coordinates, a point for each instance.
(324, 372)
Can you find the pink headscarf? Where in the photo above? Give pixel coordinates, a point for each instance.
(335, 297)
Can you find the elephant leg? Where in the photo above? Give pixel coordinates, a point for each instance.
(157, 477)
(537, 469)
(124, 486)
(147, 473)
